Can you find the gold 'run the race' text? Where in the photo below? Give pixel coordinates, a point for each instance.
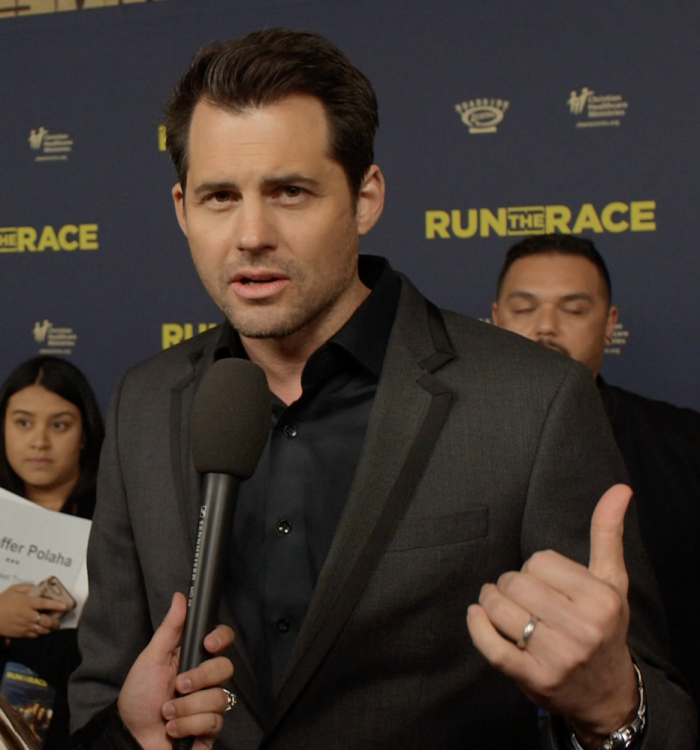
(636, 216)
(68, 237)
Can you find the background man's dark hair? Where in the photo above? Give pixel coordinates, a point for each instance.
(555, 244)
(267, 66)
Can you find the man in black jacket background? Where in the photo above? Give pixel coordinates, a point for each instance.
(556, 290)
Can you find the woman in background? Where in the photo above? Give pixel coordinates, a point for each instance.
(50, 444)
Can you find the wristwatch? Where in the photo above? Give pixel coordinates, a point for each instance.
(627, 735)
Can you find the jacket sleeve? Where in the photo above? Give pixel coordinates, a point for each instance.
(577, 460)
(115, 624)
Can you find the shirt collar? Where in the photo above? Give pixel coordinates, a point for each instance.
(365, 336)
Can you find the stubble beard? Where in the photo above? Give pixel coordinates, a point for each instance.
(269, 319)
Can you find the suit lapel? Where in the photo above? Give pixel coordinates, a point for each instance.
(188, 484)
(409, 411)
(185, 478)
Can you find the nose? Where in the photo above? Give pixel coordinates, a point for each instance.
(254, 230)
(547, 324)
(40, 437)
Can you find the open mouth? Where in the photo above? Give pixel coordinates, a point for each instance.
(259, 285)
(258, 277)
(248, 281)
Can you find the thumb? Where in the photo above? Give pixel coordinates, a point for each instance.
(167, 637)
(607, 560)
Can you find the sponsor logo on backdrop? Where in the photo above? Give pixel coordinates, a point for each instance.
(66, 238)
(515, 221)
(619, 340)
(12, 8)
(162, 134)
(174, 333)
(595, 110)
(50, 146)
(54, 339)
(482, 115)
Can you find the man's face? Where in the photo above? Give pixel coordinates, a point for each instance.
(559, 301)
(272, 225)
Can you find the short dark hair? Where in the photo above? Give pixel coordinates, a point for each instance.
(267, 66)
(555, 244)
(66, 380)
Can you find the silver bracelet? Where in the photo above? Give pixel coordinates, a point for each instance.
(626, 735)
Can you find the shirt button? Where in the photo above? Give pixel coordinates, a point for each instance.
(283, 626)
(284, 526)
(290, 431)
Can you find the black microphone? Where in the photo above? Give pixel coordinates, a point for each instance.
(231, 417)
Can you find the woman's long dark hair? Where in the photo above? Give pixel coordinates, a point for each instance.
(20, 727)
(68, 382)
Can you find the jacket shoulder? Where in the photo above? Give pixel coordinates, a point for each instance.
(506, 354)
(478, 343)
(155, 377)
(179, 359)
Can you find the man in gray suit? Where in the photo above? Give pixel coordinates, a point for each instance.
(413, 455)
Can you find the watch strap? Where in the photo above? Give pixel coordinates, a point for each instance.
(629, 734)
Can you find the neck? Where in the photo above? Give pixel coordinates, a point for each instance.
(284, 359)
(51, 498)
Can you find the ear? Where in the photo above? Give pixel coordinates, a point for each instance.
(494, 313)
(610, 324)
(179, 201)
(370, 202)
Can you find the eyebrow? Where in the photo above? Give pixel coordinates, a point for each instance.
(213, 187)
(287, 179)
(566, 298)
(53, 416)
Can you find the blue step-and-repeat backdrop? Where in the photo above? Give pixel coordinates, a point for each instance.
(498, 120)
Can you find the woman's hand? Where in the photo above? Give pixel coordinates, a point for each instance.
(23, 616)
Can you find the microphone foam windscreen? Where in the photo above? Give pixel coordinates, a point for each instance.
(231, 418)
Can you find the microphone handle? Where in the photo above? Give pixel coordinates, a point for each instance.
(219, 492)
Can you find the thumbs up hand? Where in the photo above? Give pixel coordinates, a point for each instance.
(575, 662)
(607, 557)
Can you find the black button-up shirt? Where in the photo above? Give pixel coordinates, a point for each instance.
(288, 511)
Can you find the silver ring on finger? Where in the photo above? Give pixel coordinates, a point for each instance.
(38, 618)
(528, 630)
(231, 700)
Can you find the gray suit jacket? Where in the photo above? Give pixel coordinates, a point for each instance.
(481, 449)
